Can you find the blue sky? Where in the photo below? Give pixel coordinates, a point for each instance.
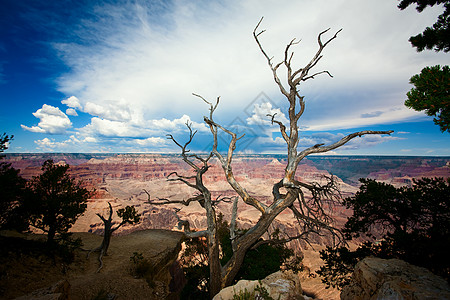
(117, 76)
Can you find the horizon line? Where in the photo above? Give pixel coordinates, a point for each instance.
(236, 154)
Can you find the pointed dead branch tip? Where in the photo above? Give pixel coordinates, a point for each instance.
(320, 35)
(315, 74)
(318, 145)
(295, 41)
(261, 32)
(212, 107)
(272, 117)
(332, 38)
(257, 25)
(197, 95)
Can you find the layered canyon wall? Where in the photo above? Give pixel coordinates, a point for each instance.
(122, 179)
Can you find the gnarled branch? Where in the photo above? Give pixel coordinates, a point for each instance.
(320, 149)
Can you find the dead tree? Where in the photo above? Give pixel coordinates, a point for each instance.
(288, 192)
(128, 215)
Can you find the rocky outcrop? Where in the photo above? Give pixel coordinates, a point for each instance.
(58, 291)
(376, 278)
(279, 285)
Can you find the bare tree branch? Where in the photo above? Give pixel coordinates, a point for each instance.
(279, 241)
(288, 193)
(341, 142)
(269, 60)
(226, 163)
(163, 201)
(187, 228)
(282, 127)
(233, 223)
(304, 71)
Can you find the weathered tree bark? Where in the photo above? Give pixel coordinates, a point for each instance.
(128, 215)
(51, 234)
(309, 212)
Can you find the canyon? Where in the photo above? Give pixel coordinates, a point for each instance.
(134, 179)
(130, 179)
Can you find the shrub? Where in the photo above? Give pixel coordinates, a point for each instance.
(409, 223)
(142, 268)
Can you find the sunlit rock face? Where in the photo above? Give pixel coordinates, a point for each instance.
(126, 180)
(129, 179)
(279, 285)
(376, 278)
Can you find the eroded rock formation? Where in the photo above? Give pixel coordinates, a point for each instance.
(279, 285)
(376, 278)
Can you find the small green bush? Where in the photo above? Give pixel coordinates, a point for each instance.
(244, 295)
(142, 268)
(260, 292)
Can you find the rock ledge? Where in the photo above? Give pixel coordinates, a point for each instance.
(376, 278)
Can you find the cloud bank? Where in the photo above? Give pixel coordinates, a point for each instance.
(133, 67)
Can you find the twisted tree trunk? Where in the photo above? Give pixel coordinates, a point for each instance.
(309, 212)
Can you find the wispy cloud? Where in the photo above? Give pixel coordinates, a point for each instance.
(152, 61)
(134, 65)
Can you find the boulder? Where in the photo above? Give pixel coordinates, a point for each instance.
(58, 291)
(376, 278)
(279, 285)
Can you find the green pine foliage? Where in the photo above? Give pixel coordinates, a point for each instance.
(55, 200)
(431, 93)
(129, 215)
(436, 37)
(12, 191)
(409, 223)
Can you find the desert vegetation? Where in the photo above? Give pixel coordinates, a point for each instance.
(409, 223)
(431, 87)
(51, 201)
(128, 215)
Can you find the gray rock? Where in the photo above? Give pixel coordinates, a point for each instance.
(392, 279)
(279, 285)
(58, 291)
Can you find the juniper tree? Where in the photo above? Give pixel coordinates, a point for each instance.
(12, 188)
(55, 200)
(128, 216)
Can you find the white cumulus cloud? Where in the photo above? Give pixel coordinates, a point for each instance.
(72, 102)
(261, 112)
(52, 121)
(111, 110)
(176, 124)
(71, 112)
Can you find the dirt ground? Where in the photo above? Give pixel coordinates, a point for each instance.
(22, 274)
